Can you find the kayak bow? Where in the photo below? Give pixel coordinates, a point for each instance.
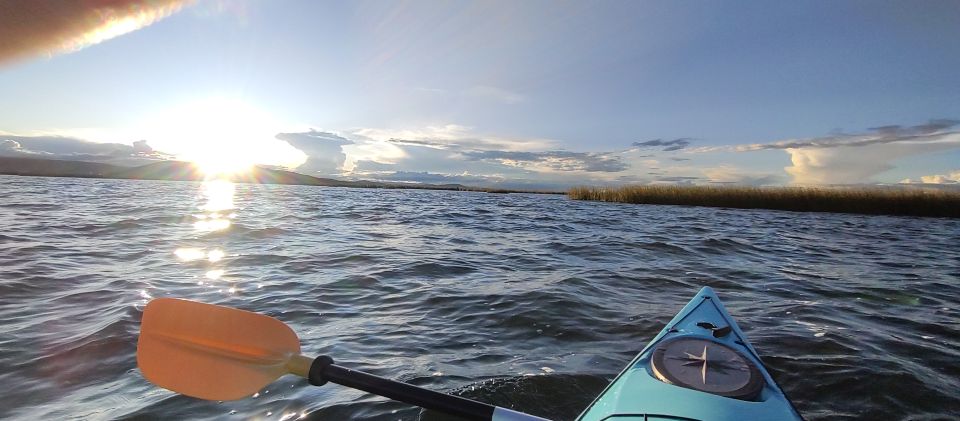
(700, 367)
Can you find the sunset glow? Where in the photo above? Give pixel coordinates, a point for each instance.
(223, 136)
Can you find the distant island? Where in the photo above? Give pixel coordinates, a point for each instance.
(185, 171)
(875, 200)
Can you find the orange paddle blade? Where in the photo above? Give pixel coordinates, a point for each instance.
(212, 352)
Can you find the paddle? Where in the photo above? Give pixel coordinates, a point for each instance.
(220, 353)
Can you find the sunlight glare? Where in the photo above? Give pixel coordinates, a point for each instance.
(215, 255)
(222, 136)
(219, 197)
(187, 254)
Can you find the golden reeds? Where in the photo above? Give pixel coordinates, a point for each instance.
(864, 200)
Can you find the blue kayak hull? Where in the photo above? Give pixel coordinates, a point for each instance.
(636, 394)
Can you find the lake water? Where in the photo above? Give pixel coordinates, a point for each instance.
(529, 301)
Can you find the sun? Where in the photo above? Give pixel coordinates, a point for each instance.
(223, 136)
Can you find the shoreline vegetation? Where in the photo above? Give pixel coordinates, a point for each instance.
(904, 201)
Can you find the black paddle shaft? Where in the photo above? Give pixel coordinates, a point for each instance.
(323, 370)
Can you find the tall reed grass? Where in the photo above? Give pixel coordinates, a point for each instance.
(863, 200)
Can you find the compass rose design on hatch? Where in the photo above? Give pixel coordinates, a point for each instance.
(707, 366)
(717, 365)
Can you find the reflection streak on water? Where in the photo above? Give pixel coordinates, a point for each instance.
(217, 198)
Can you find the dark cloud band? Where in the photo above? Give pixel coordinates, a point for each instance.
(931, 131)
(668, 145)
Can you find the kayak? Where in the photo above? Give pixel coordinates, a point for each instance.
(700, 367)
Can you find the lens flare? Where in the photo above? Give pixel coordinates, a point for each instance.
(50, 27)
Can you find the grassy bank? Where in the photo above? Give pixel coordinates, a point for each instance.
(873, 201)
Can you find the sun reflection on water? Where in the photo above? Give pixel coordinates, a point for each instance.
(189, 254)
(216, 212)
(218, 196)
(215, 255)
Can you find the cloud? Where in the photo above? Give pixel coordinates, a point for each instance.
(324, 151)
(48, 27)
(679, 159)
(854, 165)
(675, 180)
(61, 147)
(452, 136)
(495, 94)
(670, 145)
(373, 151)
(460, 146)
(141, 147)
(10, 147)
(845, 158)
(455, 153)
(437, 178)
(550, 161)
(932, 131)
(952, 178)
(733, 175)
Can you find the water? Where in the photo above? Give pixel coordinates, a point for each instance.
(526, 301)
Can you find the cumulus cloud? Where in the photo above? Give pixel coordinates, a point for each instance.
(855, 158)
(379, 152)
(952, 178)
(669, 145)
(854, 165)
(324, 150)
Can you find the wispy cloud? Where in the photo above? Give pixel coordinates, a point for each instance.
(550, 161)
(676, 179)
(453, 136)
(932, 131)
(733, 175)
(435, 178)
(495, 94)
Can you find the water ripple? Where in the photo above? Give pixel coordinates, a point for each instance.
(526, 301)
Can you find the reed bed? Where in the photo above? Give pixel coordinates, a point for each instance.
(862, 200)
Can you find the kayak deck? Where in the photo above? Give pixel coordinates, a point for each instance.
(637, 394)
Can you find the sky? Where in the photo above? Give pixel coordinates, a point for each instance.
(535, 94)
